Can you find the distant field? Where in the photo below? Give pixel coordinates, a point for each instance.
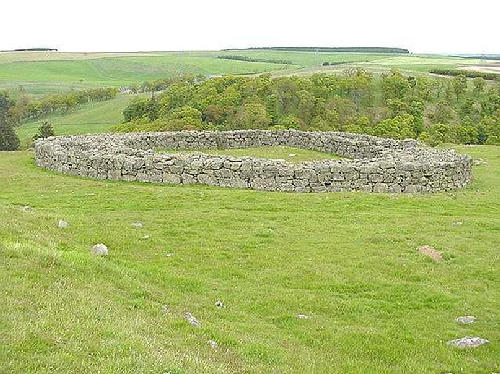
(40, 73)
(62, 75)
(91, 118)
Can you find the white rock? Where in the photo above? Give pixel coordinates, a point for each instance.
(165, 309)
(137, 225)
(303, 316)
(219, 304)
(468, 342)
(465, 319)
(100, 250)
(213, 344)
(62, 224)
(192, 320)
(146, 236)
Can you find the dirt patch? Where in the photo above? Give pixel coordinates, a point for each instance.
(430, 252)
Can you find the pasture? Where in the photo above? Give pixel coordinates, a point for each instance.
(349, 261)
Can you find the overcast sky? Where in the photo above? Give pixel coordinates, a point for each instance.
(437, 26)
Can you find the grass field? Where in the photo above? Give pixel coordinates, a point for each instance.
(348, 260)
(289, 154)
(54, 72)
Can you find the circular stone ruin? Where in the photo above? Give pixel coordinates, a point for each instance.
(374, 164)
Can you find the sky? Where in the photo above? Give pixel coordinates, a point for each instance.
(422, 26)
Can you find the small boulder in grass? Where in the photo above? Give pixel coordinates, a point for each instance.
(428, 251)
(465, 319)
(100, 250)
(303, 316)
(468, 342)
(192, 320)
(62, 224)
(137, 225)
(213, 344)
(219, 304)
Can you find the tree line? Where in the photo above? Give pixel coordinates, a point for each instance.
(467, 73)
(27, 108)
(432, 109)
(253, 59)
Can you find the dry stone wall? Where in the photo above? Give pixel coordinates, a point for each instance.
(374, 164)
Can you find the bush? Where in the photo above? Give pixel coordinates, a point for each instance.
(44, 131)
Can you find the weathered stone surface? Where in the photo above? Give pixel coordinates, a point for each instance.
(137, 224)
(373, 164)
(468, 342)
(100, 250)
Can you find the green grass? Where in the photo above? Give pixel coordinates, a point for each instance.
(289, 154)
(349, 260)
(95, 117)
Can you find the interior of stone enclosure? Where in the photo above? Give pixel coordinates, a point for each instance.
(348, 146)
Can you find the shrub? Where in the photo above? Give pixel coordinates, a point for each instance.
(44, 131)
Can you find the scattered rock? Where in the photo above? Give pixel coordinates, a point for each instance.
(465, 319)
(165, 309)
(292, 155)
(468, 342)
(137, 225)
(213, 344)
(430, 252)
(62, 224)
(170, 254)
(26, 208)
(303, 316)
(458, 223)
(100, 250)
(219, 304)
(145, 236)
(192, 320)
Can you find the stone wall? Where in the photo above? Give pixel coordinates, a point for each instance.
(373, 164)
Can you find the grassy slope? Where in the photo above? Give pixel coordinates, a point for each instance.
(91, 118)
(347, 259)
(289, 154)
(43, 76)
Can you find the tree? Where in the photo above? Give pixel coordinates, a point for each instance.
(8, 137)
(44, 131)
(479, 84)
(459, 85)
